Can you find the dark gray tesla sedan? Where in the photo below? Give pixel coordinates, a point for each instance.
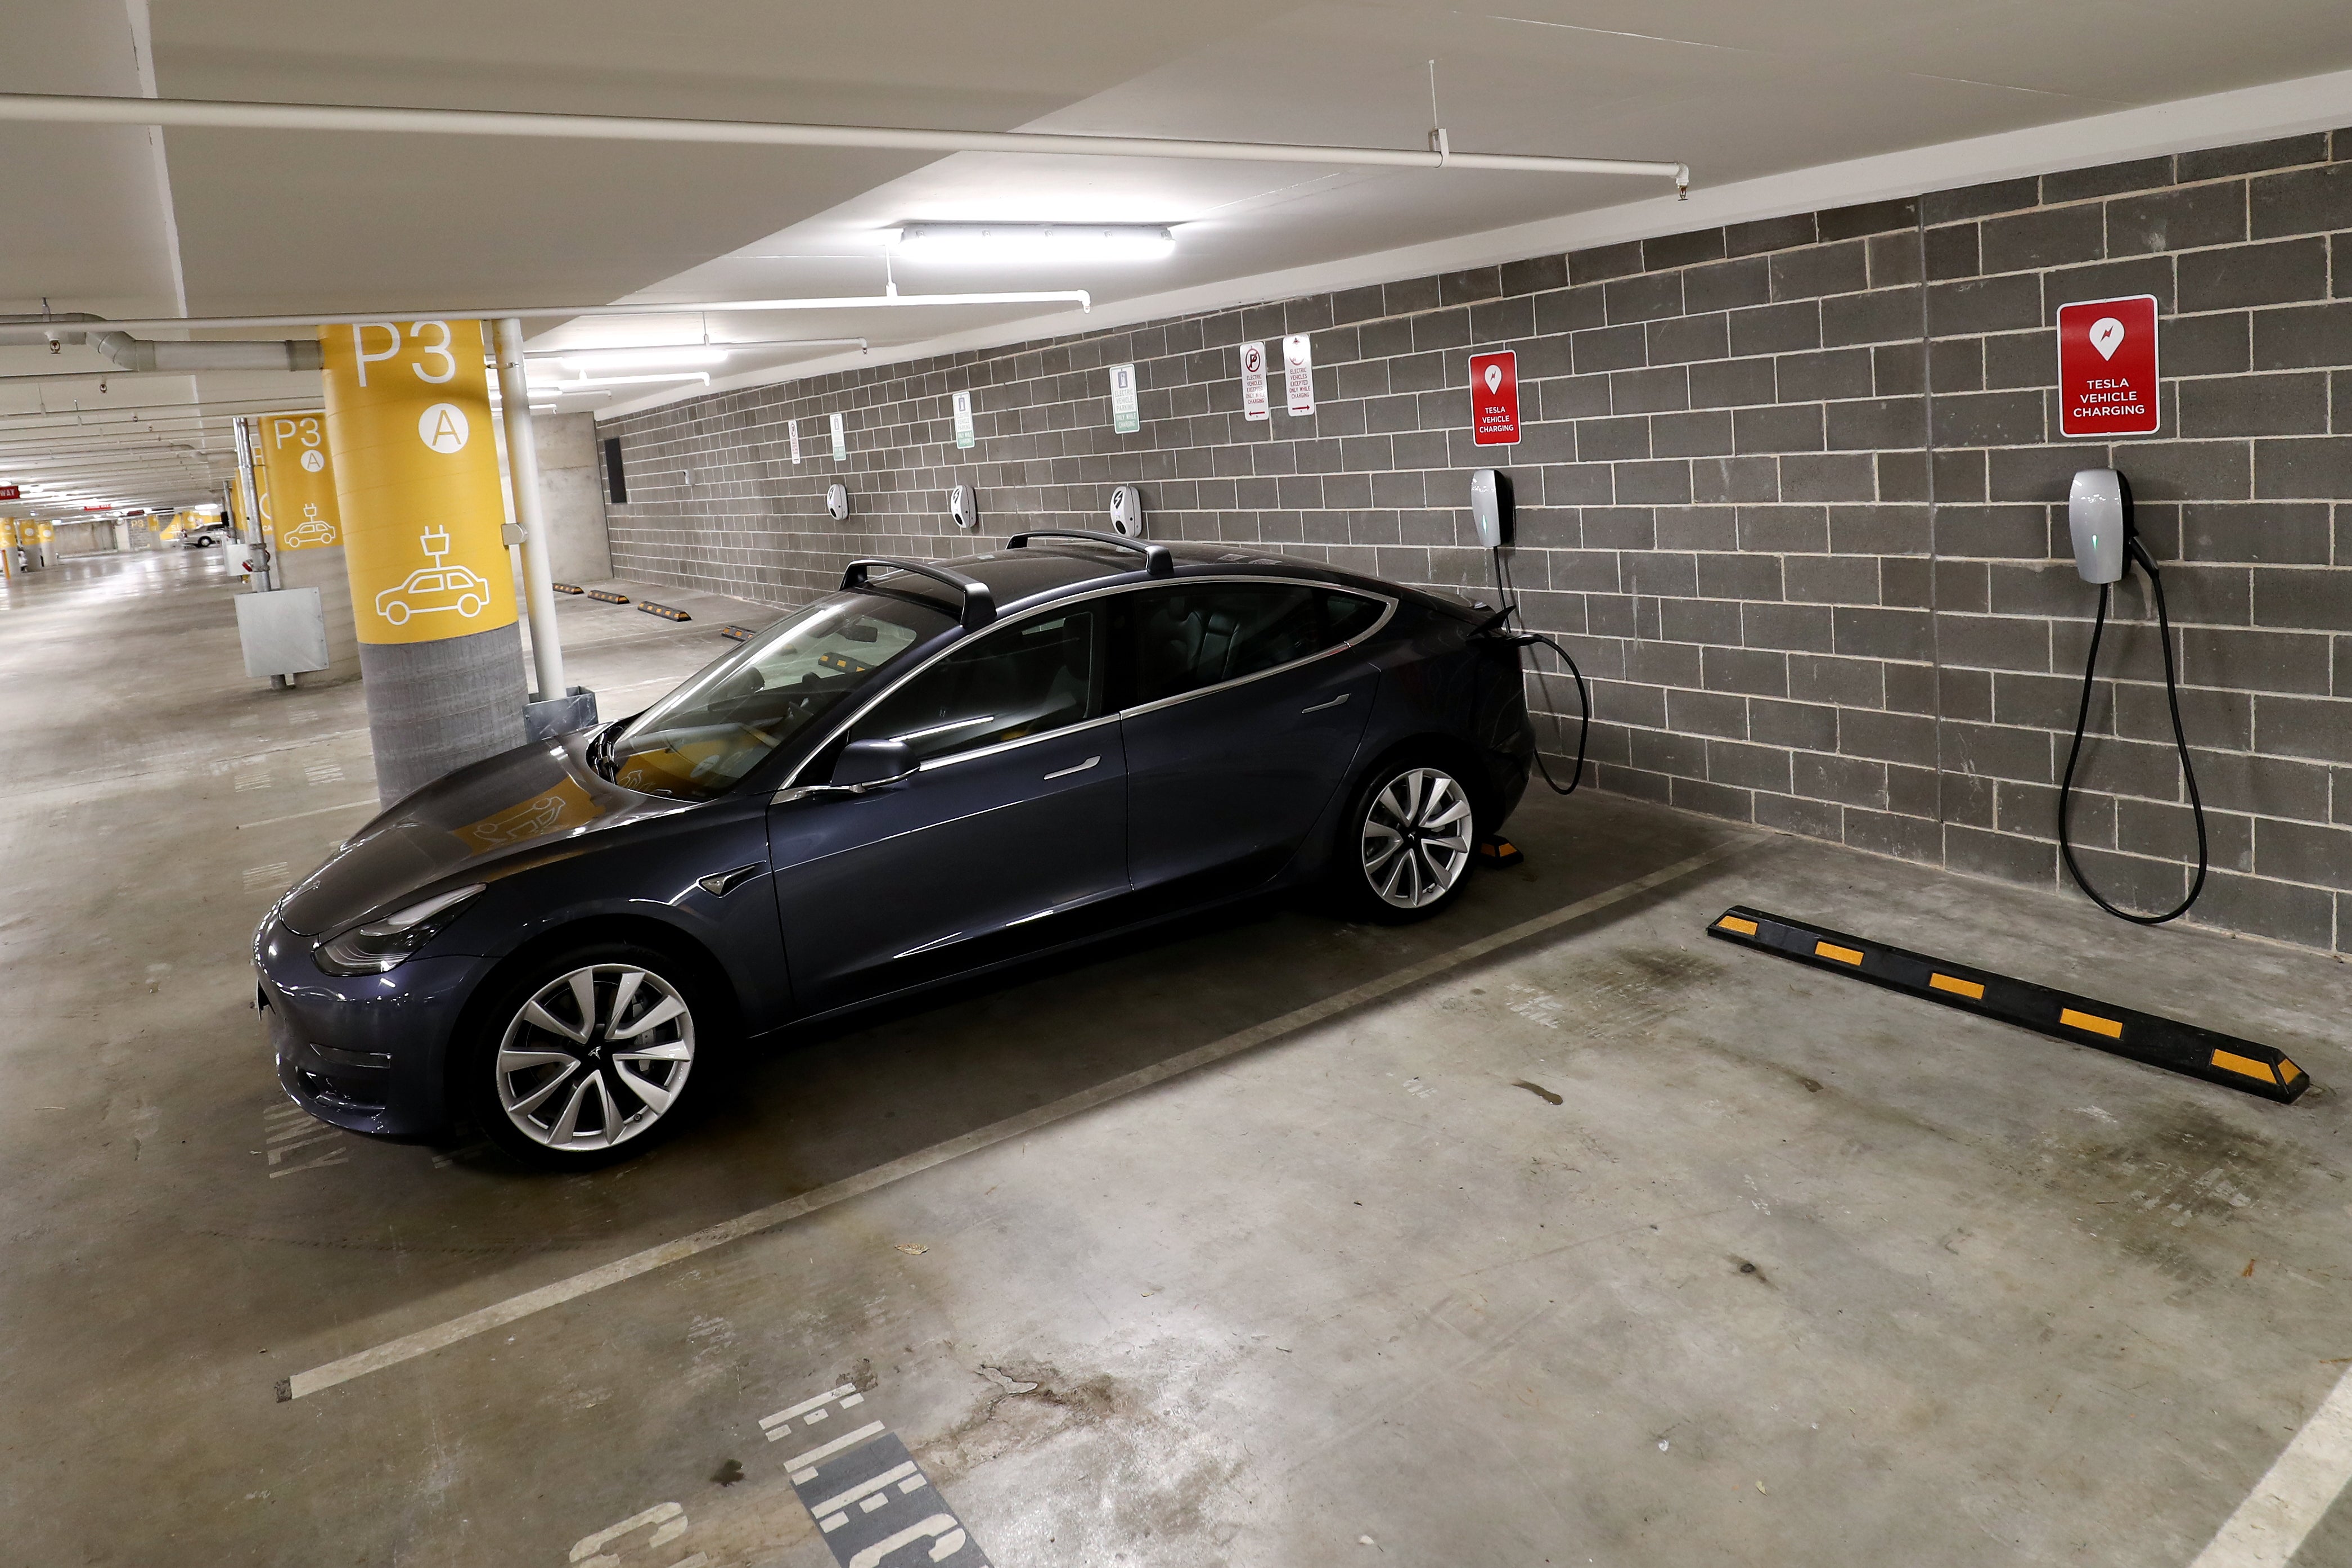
(939, 770)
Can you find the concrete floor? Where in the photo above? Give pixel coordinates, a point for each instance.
(1611, 1245)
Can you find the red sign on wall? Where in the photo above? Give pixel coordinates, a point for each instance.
(1494, 399)
(2107, 368)
(11, 492)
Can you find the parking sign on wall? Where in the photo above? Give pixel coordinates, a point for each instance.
(1494, 399)
(2107, 368)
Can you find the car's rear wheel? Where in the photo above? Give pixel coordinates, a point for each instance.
(587, 1057)
(1407, 841)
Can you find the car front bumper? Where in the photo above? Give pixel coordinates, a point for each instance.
(364, 1052)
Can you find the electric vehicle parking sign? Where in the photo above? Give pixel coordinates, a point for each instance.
(2107, 368)
(1494, 399)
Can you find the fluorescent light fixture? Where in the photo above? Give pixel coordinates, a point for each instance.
(550, 383)
(983, 243)
(655, 356)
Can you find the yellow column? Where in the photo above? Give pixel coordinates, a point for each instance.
(294, 473)
(421, 511)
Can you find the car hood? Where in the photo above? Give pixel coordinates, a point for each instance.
(482, 821)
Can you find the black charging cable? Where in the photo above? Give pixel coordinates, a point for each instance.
(1508, 592)
(2138, 553)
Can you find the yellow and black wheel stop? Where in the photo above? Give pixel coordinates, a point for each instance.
(1496, 851)
(663, 611)
(565, 587)
(734, 634)
(2177, 1047)
(602, 597)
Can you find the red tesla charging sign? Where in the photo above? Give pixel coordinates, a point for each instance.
(2106, 367)
(1494, 399)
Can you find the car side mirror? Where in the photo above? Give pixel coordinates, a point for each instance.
(866, 764)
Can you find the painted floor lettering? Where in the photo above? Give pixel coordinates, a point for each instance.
(869, 1499)
(868, 1496)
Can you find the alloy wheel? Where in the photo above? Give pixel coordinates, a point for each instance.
(1416, 838)
(595, 1057)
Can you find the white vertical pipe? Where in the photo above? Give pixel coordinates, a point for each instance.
(249, 488)
(522, 471)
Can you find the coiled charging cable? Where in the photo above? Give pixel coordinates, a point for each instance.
(1508, 592)
(2180, 740)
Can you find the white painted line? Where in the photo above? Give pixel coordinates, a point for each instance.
(589, 1545)
(278, 1155)
(315, 811)
(805, 1406)
(335, 1157)
(407, 1347)
(2293, 1496)
(804, 1466)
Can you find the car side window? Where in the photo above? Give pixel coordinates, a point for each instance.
(1185, 639)
(1010, 683)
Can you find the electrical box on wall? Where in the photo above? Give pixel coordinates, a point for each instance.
(837, 502)
(963, 508)
(1126, 511)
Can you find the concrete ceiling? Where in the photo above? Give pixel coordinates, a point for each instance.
(267, 222)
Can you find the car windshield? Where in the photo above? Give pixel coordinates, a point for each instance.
(703, 737)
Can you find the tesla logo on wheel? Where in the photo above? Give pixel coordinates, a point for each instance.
(443, 428)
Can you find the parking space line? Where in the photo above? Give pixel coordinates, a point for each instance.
(2293, 1495)
(313, 811)
(408, 1347)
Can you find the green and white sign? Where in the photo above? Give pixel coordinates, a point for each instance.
(1126, 417)
(840, 441)
(963, 419)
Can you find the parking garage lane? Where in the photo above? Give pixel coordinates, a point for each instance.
(1608, 1241)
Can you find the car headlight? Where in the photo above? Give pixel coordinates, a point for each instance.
(386, 944)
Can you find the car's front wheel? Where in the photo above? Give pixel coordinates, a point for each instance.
(1408, 841)
(585, 1057)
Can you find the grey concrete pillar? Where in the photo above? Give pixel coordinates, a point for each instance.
(433, 707)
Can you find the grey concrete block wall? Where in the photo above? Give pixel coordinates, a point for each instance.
(1792, 490)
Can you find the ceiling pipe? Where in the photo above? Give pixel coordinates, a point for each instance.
(28, 330)
(110, 414)
(58, 108)
(141, 354)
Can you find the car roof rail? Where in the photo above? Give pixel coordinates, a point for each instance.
(978, 603)
(1159, 560)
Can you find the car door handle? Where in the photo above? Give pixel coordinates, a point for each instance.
(719, 885)
(1335, 702)
(1081, 767)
